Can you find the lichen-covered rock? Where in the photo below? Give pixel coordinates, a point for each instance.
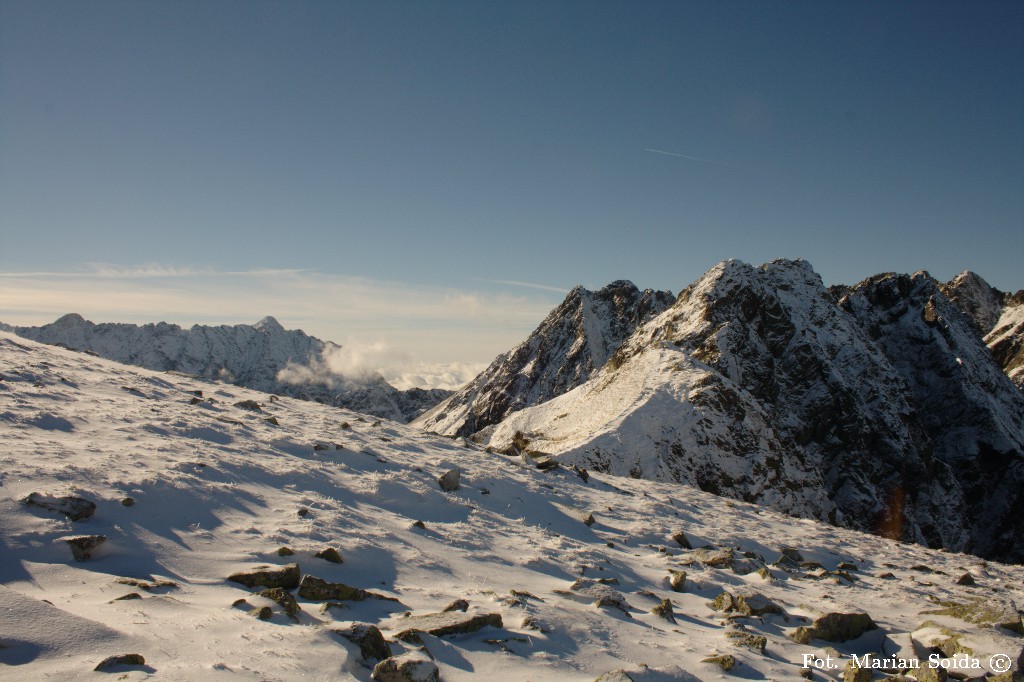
(83, 546)
(263, 613)
(664, 610)
(120, 659)
(715, 558)
(994, 612)
(745, 603)
(330, 554)
(725, 661)
(449, 482)
(414, 666)
(835, 627)
(446, 623)
(317, 589)
(677, 580)
(755, 643)
(71, 506)
(854, 673)
(369, 639)
(283, 598)
(286, 577)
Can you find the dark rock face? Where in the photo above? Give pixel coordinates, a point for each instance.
(967, 417)
(576, 339)
(317, 589)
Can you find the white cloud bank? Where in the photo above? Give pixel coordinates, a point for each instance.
(413, 335)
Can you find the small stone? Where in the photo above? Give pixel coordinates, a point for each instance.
(273, 421)
(792, 554)
(582, 473)
(121, 659)
(285, 551)
(457, 605)
(755, 643)
(589, 520)
(681, 539)
(330, 554)
(677, 580)
(726, 661)
(283, 598)
(847, 566)
(966, 579)
(449, 482)
(664, 610)
(303, 512)
(75, 508)
(263, 613)
(129, 597)
(420, 525)
(369, 639)
(128, 501)
(327, 606)
(414, 666)
(251, 405)
(82, 546)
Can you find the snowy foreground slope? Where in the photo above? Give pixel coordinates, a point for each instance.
(572, 567)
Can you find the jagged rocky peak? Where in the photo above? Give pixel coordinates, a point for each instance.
(976, 298)
(269, 323)
(572, 342)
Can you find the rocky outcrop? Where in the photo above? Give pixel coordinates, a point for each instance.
(997, 315)
(575, 340)
(835, 627)
(286, 577)
(413, 666)
(371, 643)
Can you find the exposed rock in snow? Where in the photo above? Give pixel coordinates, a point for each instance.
(574, 341)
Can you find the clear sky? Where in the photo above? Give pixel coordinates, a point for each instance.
(457, 166)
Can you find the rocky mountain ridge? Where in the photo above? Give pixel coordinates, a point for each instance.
(574, 341)
(246, 355)
(880, 411)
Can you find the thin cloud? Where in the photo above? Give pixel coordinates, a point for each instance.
(528, 285)
(691, 158)
(419, 323)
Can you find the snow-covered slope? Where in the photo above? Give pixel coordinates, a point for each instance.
(999, 316)
(190, 489)
(575, 340)
(248, 355)
(756, 385)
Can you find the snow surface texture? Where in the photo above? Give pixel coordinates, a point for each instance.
(264, 356)
(884, 413)
(217, 488)
(574, 341)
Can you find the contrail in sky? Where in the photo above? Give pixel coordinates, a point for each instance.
(691, 158)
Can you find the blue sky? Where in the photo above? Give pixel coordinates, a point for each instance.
(159, 158)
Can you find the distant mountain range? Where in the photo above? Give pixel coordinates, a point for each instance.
(247, 355)
(877, 406)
